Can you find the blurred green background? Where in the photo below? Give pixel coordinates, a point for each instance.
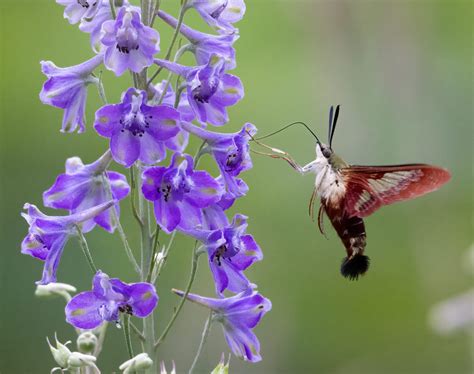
(402, 71)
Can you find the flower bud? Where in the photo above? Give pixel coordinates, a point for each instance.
(79, 360)
(86, 342)
(137, 363)
(222, 367)
(61, 353)
(163, 368)
(55, 289)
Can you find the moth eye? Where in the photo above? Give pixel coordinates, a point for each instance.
(326, 152)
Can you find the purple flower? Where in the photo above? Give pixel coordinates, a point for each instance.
(93, 25)
(137, 131)
(66, 88)
(79, 9)
(231, 152)
(205, 45)
(220, 14)
(48, 235)
(230, 251)
(238, 315)
(179, 142)
(109, 298)
(128, 43)
(179, 193)
(210, 91)
(85, 186)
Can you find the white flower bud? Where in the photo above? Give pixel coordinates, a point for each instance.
(222, 367)
(55, 289)
(86, 342)
(61, 353)
(163, 368)
(139, 362)
(80, 360)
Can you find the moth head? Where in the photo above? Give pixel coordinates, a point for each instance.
(323, 151)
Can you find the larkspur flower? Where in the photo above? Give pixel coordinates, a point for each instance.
(230, 252)
(231, 152)
(47, 235)
(238, 315)
(66, 88)
(209, 89)
(179, 142)
(78, 9)
(205, 45)
(85, 186)
(137, 131)
(93, 26)
(179, 193)
(129, 44)
(221, 14)
(110, 297)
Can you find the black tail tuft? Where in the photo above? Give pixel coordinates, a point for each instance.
(354, 267)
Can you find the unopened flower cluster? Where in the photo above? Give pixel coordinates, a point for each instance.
(148, 132)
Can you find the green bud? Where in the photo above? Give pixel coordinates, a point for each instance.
(60, 353)
(86, 342)
(138, 363)
(222, 367)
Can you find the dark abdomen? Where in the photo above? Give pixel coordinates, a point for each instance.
(351, 230)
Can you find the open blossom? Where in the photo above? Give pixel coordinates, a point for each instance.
(238, 315)
(47, 235)
(205, 45)
(85, 186)
(230, 252)
(209, 89)
(137, 131)
(179, 193)
(221, 14)
(179, 142)
(66, 88)
(129, 44)
(110, 297)
(93, 26)
(78, 9)
(231, 152)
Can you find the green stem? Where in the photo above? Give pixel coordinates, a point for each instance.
(155, 11)
(175, 36)
(85, 249)
(205, 334)
(153, 253)
(126, 331)
(100, 342)
(194, 266)
(137, 332)
(133, 186)
(112, 9)
(120, 229)
(101, 90)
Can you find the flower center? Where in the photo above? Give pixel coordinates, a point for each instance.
(206, 90)
(85, 3)
(216, 14)
(126, 308)
(135, 121)
(220, 253)
(233, 160)
(175, 186)
(127, 35)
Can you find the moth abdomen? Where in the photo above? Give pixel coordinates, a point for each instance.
(355, 266)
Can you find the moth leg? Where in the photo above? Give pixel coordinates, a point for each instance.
(278, 153)
(311, 204)
(321, 220)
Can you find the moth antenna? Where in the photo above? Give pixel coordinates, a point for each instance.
(355, 266)
(288, 126)
(333, 125)
(331, 114)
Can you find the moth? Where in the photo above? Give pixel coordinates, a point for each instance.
(349, 193)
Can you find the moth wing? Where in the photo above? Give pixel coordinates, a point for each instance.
(370, 187)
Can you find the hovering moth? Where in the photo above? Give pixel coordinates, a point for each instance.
(349, 193)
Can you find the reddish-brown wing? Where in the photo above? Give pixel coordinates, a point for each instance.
(370, 187)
